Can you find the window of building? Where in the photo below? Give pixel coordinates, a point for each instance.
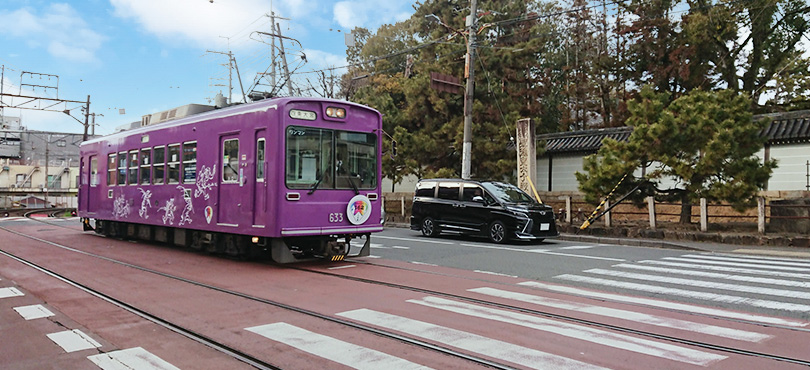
(111, 178)
(189, 162)
(133, 167)
(159, 164)
(174, 164)
(146, 166)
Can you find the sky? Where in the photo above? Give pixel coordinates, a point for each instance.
(137, 57)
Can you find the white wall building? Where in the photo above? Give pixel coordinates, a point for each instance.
(788, 143)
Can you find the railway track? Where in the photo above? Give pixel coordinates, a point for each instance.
(213, 343)
(395, 336)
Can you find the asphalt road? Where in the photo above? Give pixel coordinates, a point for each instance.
(759, 284)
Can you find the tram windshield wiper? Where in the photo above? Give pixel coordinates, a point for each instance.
(316, 184)
(354, 186)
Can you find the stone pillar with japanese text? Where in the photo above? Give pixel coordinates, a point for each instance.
(526, 154)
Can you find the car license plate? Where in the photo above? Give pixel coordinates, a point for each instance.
(544, 227)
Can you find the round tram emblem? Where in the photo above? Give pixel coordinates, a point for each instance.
(358, 210)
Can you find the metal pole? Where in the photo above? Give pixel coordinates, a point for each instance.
(86, 119)
(469, 67)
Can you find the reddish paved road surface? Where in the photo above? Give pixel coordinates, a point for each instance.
(292, 340)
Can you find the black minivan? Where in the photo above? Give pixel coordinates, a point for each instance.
(494, 209)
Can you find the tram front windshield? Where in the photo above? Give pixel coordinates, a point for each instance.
(330, 159)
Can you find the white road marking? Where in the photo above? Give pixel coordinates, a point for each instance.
(128, 359)
(377, 246)
(775, 305)
(729, 269)
(578, 247)
(341, 267)
(737, 264)
(703, 284)
(430, 241)
(762, 261)
(332, 349)
(715, 275)
(399, 247)
(709, 311)
(10, 292)
(494, 273)
(32, 312)
(579, 332)
(467, 341)
(73, 340)
(541, 251)
(773, 253)
(373, 256)
(423, 263)
(661, 321)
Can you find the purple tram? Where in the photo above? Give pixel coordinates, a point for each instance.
(296, 177)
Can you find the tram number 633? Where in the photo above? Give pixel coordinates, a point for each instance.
(335, 217)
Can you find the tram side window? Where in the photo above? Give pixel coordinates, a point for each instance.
(122, 168)
(230, 160)
(189, 162)
(146, 166)
(94, 180)
(260, 159)
(133, 167)
(111, 168)
(159, 164)
(174, 164)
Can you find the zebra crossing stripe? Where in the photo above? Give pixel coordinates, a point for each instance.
(715, 275)
(758, 260)
(494, 348)
(702, 284)
(332, 349)
(580, 332)
(794, 275)
(774, 305)
(666, 304)
(643, 318)
(737, 264)
(133, 358)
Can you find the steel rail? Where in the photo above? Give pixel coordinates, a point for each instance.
(551, 315)
(345, 322)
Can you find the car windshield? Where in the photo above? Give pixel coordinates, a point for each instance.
(508, 193)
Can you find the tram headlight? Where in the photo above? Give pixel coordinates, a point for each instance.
(335, 112)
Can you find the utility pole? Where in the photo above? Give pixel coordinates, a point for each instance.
(86, 118)
(469, 68)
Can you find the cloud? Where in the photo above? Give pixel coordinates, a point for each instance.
(58, 28)
(370, 13)
(197, 21)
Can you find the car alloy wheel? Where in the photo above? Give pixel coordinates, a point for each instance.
(429, 227)
(497, 232)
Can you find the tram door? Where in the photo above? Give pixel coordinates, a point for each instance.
(260, 185)
(231, 182)
(92, 180)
